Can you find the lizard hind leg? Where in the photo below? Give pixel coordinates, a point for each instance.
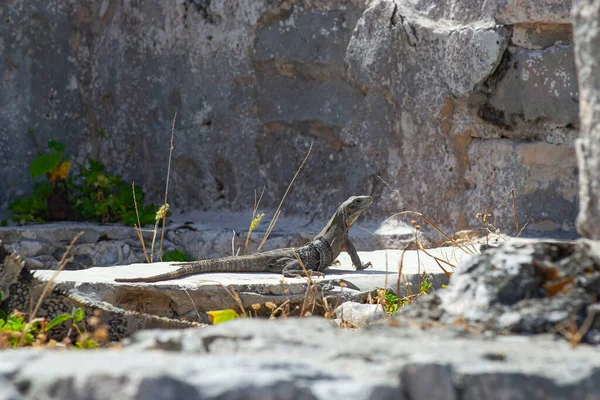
(294, 270)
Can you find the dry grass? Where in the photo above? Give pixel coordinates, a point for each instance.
(255, 220)
(138, 227)
(572, 332)
(166, 204)
(161, 215)
(278, 211)
(49, 285)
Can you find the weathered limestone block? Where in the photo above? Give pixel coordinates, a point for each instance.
(587, 51)
(308, 358)
(539, 85)
(503, 11)
(467, 81)
(540, 171)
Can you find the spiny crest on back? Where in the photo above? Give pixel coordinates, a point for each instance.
(3, 252)
(11, 268)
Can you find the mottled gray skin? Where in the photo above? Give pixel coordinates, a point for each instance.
(19, 287)
(316, 256)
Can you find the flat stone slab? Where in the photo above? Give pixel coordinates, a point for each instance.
(205, 292)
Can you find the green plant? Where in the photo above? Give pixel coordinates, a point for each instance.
(52, 163)
(33, 208)
(15, 331)
(56, 168)
(425, 285)
(176, 255)
(393, 302)
(104, 197)
(76, 315)
(13, 327)
(93, 193)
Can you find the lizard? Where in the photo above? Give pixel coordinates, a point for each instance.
(21, 290)
(316, 256)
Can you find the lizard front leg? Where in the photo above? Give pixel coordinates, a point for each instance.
(354, 256)
(293, 270)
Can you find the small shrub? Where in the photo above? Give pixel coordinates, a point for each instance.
(425, 285)
(92, 194)
(12, 328)
(393, 302)
(33, 208)
(103, 197)
(53, 163)
(176, 255)
(15, 331)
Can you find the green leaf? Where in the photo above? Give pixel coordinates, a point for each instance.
(95, 166)
(44, 163)
(59, 319)
(28, 338)
(1, 295)
(56, 146)
(220, 316)
(176, 255)
(89, 344)
(78, 315)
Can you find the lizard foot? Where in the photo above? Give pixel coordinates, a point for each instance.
(364, 266)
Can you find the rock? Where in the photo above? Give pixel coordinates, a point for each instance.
(539, 36)
(9, 391)
(358, 315)
(31, 248)
(196, 294)
(507, 12)
(528, 162)
(587, 52)
(404, 90)
(310, 358)
(523, 286)
(546, 78)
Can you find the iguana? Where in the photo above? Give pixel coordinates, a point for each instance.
(316, 256)
(21, 291)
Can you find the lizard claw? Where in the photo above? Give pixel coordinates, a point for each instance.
(365, 266)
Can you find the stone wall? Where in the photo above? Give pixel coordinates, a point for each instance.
(451, 102)
(586, 15)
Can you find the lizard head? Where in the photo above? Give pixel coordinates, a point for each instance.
(354, 207)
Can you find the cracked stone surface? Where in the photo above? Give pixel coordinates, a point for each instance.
(309, 359)
(407, 90)
(522, 286)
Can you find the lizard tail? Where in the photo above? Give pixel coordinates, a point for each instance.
(178, 273)
(226, 264)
